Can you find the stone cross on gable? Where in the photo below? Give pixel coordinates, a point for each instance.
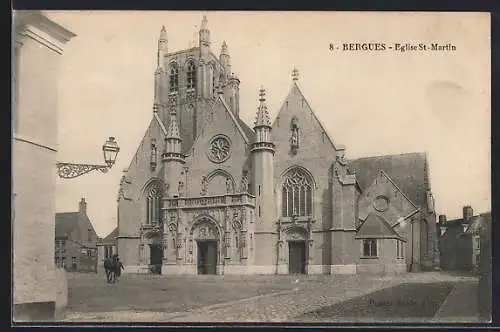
(295, 74)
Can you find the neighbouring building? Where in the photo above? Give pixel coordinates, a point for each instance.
(75, 241)
(38, 43)
(107, 246)
(460, 240)
(206, 193)
(485, 290)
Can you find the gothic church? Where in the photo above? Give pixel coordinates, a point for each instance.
(207, 194)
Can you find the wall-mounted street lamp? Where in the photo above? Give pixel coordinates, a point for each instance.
(110, 150)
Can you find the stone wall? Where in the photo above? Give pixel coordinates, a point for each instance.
(38, 45)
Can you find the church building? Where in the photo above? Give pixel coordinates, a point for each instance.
(206, 193)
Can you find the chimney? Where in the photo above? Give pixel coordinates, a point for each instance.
(467, 213)
(82, 206)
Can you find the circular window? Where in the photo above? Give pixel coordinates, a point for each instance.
(219, 149)
(381, 203)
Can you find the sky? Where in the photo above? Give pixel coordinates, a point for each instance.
(374, 103)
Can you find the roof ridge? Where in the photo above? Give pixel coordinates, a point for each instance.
(390, 155)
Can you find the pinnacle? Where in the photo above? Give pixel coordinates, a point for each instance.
(262, 118)
(163, 33)
(173, 128)
(204, 23)
(224, 48)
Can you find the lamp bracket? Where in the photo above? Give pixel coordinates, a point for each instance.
(70, 171)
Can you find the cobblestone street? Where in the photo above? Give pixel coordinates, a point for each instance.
(146, 298)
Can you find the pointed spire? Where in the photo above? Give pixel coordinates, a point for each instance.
(173, 128)
(262, 119)
(163, 33)
(223, 49)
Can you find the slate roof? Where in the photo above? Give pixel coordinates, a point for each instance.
(247, 130)
(376, 226)
(474, 223)
(408, 171)
(66, 222)
(111, 237)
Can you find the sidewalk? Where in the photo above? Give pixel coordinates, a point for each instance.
(461, 305)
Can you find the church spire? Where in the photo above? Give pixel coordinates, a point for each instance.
(262, 119)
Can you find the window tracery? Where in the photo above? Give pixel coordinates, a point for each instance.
(174, 78)
(297, 194)
(191, 75)
(153, 201)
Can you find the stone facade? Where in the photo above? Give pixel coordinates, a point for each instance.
(36, 51)
(205, 193)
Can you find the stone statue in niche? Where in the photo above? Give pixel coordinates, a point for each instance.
(181, 188)
(166, 189)
(229, 185)
(294, 139)
(204, 186)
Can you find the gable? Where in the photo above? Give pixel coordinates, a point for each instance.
(384, 197)
(139, 170)
(408, 171)
(376, 226)
(313, 138)
(221, 123)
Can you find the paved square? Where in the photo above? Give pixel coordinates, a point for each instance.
(149, 298)
(402, 302)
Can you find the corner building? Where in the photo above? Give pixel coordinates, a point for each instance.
(207, 194)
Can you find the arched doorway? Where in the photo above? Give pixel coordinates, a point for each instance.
(297, 250)
(205, 241)
(155, 249)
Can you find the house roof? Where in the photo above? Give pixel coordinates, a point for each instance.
(111, 237)
(376, 226)
(66, 222)
(408, 171)
(474, 223)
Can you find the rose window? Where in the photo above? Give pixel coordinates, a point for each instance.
(219, 149)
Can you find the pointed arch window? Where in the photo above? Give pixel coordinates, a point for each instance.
(153, 201)
(174, 77)
(191, 75)
(297, 193)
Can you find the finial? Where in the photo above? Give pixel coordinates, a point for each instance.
(163, 33)
(295, 74)
(262, 94)
(204, 22)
